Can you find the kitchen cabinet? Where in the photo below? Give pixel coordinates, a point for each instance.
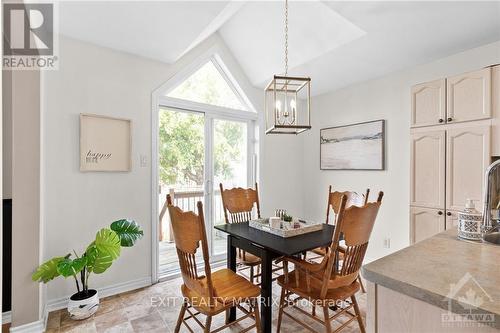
(428, 169)
(425, 222)
(428, 103)
(455, 130)
(495, 112)
(467, 158)
(468, 96)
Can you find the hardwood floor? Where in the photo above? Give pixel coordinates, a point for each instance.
(155, 309)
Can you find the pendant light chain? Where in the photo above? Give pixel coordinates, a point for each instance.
(287, 99)
(286, 37)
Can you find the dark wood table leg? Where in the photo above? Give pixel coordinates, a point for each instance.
(266, 292)
(231, 264)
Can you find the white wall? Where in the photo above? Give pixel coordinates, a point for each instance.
(7, 135)
(93, 79)
(26, 226)
(384, 98)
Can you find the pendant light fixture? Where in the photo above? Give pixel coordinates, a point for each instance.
(288, 99)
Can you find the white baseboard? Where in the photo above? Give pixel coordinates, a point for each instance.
(368, 260)
(61, 303)
(33, 327)
(6, 317)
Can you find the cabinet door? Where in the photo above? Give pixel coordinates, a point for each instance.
(495, 111)
(428, 169)
(468, 157)
(451, 220)
(428, 103)
(469, 96)
(425, 222)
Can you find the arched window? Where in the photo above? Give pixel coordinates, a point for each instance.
(209, 86)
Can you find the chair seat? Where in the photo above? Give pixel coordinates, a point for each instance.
(228, 286)
(336, 294)
(319, 250)
(247, 259)
(322, 251)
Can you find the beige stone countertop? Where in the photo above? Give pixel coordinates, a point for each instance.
(428, 271)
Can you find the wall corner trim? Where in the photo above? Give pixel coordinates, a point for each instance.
(61, 303)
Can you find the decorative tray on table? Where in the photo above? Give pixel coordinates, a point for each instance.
(285, 229)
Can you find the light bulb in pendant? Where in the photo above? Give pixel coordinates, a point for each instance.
(278, 106)
(293, 105)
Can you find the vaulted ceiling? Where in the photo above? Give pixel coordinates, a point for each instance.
(335, 43)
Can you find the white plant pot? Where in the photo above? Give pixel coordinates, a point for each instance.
(79, 308)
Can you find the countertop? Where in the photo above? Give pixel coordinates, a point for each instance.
(430, 269)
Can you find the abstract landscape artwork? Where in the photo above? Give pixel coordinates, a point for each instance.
(353, 147)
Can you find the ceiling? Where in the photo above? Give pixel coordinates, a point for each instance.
(335, 43)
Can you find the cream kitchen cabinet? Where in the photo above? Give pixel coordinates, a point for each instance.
(455, 130)
(468, 96)
(428, 169)
(425, 222)
(495, 112)
(428, 103)
(467, 158)
(447, 167)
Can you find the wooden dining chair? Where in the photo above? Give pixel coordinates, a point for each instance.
(238, 205)
(324, 284)
(334, 198)
(353, 199)
(207, 293)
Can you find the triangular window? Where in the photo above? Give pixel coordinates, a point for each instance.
(208, 86)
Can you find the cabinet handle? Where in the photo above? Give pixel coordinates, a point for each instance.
(448, 214)
(440, 213)
(450, 119)
(441, 120)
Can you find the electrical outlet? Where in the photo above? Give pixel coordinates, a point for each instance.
(387, 243)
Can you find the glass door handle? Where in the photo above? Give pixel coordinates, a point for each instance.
(208, 190)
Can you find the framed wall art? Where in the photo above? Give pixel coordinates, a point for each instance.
(105, 143)
(353, 147)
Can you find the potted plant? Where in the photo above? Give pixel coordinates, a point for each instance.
(97, 258)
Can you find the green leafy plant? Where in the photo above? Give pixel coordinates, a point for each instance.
(97, 258)
(287, 218)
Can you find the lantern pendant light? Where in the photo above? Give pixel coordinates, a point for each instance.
(288, 99)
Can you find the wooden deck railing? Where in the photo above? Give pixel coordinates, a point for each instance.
(187, 201)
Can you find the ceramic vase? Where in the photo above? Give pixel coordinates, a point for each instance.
(82, 307)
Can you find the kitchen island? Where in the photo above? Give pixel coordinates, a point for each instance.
(440, 284)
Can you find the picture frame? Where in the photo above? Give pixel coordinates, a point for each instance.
(358, 146)
(105, 143)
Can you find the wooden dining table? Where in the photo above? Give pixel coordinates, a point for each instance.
(268, 247)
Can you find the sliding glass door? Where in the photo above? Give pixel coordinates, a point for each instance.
(230, 168)
(181, 173)
(198, 151)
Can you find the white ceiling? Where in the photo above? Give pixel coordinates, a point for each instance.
(157, 30)
(335, 43)
(314, 30)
